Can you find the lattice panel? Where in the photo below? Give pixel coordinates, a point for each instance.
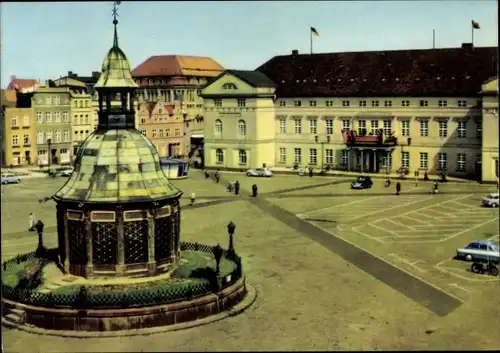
(105, 243)
(163, 231)
(77, 243)
(136, 242)
(175, 221)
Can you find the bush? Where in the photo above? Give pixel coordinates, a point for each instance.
(30, 277)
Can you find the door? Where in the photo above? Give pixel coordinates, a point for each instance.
(170, 149)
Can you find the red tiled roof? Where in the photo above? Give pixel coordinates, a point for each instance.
(9, 97)
(21, 83)
(177, 65)
(170, 109)
(427, 72)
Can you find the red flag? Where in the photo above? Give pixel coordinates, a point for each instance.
(314, 31)
(475, 24)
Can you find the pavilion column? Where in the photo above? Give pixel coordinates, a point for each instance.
(89, 268)
(120, 233)
(349, 159)
(108, 101)
(374, 161)
(151, 243)
(171, 95)
(124, 97)
(362, 160)
(66, 243)
(387, 166)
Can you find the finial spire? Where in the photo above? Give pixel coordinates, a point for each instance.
(115, 22)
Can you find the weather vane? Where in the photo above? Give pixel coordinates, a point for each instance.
(115, 12)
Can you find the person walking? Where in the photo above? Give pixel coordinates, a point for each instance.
(193, 198)
(207, 174)
(217, 176)
(398, 188)
(254, 190)
(32, 223)
(310, 172)
(237, 187)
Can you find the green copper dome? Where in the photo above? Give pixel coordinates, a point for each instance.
(117, 166)
(116, 72)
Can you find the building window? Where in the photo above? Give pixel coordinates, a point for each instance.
(229, 86)
(242, 156)
(177, 132)
(167, 131)
(362, 127)
(298, 126)
(405, 128)
(218, 127)
(57, 117)
(14, 121)
(218, 102)
(461, 166)
(57, 100)
(388, 103)
(443, 128)
(63, 151)
(362, 103)
(375, 103)
(48, 100)
(442, 103)
(153, 133)
(462, 129)
(442, 161)
(329, 103)
(242, 128)
(58, 136)
(297, 152)
(242, 102)
(143, 132)
(282, 103)
(346, 125)
(424, 103)
(297, 103)
(313, 156)
(424, 160)
(405, 159)
(26, 121)
(479, 129)
(329, 156)
(160, 132)
(346, 103)
(373, 126)
(282, 125)
(15, 140)
(219, 156)
(329, 126)
(39, 137)
(66, 136)
(282, 157)
(313, 126)
(48, 135)
(387, 127)
(312, 103)
(26, 139)
(39, 118)
(405, 103)
(424, 128)
(48, 117)
(462, 103)
(344, 158)
(81, 119)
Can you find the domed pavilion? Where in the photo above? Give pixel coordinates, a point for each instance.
(118, 215)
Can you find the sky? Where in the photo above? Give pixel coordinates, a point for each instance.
(46, 40)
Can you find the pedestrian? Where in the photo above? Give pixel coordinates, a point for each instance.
(435, 187)
(236, 187)
(217, 177)
(254, 190)
(193, 198)
(207, 174)
(230, 187)
(32, 222)
(398, 188)
(310, 172)
(426, 176)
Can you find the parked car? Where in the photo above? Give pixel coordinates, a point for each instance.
(66, 172)
(491, 200)
(363, 182)
(259, 172)
(479, 251)
(10, 179)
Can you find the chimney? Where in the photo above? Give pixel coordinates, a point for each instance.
(95, 73)
(467, 46)
(295, 52)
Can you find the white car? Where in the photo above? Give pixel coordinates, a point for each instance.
(479, 251)
(491, 200)
(259, 172)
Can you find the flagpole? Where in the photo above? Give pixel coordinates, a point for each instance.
(433, 39)
(311, 33)
(472, 25)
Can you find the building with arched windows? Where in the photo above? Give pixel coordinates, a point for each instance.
(397, 111)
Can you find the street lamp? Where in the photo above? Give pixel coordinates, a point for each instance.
(39, 229)
(49, 143)
(230, 229)
(316, 139)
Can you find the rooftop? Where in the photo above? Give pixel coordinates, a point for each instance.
(22, 84)
(420, 72)
(253, 78)
(178, 65)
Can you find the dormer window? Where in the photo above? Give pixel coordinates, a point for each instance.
(229, 86)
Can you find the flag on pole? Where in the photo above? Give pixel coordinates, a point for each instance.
(475, 25)
(315, 32)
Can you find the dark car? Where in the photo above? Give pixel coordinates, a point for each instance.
(363, 182)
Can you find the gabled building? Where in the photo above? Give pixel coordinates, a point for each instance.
(489, 141)
(383, 111)
(23, 85)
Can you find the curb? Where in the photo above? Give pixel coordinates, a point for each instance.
(249, 299)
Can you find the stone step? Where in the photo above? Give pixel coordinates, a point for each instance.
(16, 311)
(14, 318)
